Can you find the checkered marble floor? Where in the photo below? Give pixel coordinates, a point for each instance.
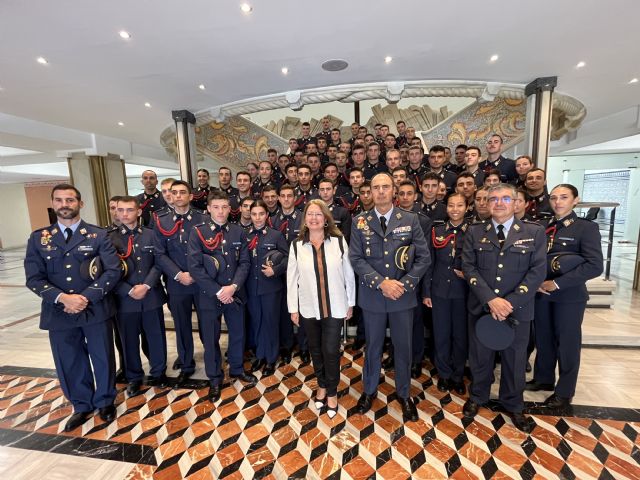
(272, 430)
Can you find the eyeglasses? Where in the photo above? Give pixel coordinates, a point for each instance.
(506, 199)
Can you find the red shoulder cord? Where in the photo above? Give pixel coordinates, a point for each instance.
(199, 195)
(269, 222)
(129, 249)
(168, 233)
(531, 206)
(253, 243)
(300, 199)
(551, 234)
(350, 206)
(213, 243)
(234, 212)
(144, 204)
(284, 226)
(443, 243)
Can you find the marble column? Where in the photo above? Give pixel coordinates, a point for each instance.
(538, 118)
(186, 145)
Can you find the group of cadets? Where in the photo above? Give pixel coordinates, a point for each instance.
(222, 251)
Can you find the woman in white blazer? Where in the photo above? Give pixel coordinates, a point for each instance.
(321, 293)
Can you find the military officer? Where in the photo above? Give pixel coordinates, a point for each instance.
(538, 206)
(201, 192)
(430, 205)
(351, 199)
(243, 181)
(387, 287)
(139, 298)
(562, 298)
(445, 292)
(72, 266)
(436, 162)
(264, 288)
(172, 230)
(265, 177)
(504, 263)
(471, 165)
(224, 182)
(340, 215)
(305, 190)
(288, 222)
(495, 160)
(220, 291)
(151, 200)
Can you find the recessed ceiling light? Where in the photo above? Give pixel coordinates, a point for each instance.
(42, 61)
(581, 65)
(201, 86)
(284, 70)
(388, 59)
(121, 124)
(246, 8)
(124, 34)
(494, 58)
(147, 104)
(633, 80)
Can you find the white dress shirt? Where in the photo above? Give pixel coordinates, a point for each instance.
(302, 281)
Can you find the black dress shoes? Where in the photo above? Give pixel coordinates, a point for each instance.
(416, 370)
(161, 381)
(133, 389)
(76, 420)
(257, 364)
(533, 386)
(364, 403)
(443, 384)
(108, 414)
(470, 409)
(409, 411)
(246, 377)
(305, 358)
(357, 344)
(183, 378)
(520, 422)
(285, 355)
(557, 402)
(177, 365)
(269, 369)
(214, 393)
(458, 387)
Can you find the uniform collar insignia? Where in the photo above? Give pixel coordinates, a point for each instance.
(124, 230)
(488, 227)
(83, 231)
(54, 231)
(398, 215)
(567, 222)
(369, 217)
(189, 217)
(516, 227)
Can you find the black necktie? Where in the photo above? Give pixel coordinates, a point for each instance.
(383, 223)
(501, 235)
(68, 233)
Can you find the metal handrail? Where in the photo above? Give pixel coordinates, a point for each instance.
(612, 221)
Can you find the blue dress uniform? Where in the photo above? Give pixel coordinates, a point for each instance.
(478, 177)
(235, 202)
(140, 317)
(171, 239)
(150, 204)
(421, 315)
(513, 272)
(350, 201)
(370, 170)
(265, 292)
(417, 174)
(258, 185)
(78, 341)
(289, 226)
(449, 179)
(303, 196)
(436, 211)
(230, 191)
(229, 241)
(558, 316)
(448, 294)
(507, 167)
(200, 194)
(539, 207)
(373, 256)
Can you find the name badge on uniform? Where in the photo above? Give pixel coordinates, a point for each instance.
(85, 248)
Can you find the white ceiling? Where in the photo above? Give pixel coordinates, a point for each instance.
(96, 79)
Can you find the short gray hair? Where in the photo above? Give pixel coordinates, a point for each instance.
(503, 186)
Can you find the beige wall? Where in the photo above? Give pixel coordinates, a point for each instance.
(38, 200)
(15, 224)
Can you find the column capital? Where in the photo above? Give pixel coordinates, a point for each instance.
(541, 84)
(183, 116)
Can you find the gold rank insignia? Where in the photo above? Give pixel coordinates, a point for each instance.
(83, 231)
(516, 227)
(45, 238)
(54, 231)
(523, 289)
(568, 222)
(473, 281)
(488, 227)
(398, 215)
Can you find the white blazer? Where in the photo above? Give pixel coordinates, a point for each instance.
(302, 290)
